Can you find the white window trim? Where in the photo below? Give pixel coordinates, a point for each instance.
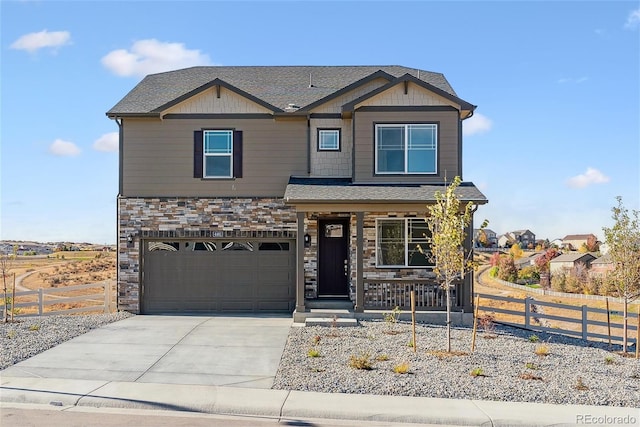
(321, 131)
(406, 148)
(205, 155)
(406, 245)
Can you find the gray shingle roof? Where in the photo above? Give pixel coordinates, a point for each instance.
(300, 190)
(572, 257)
(277, 86)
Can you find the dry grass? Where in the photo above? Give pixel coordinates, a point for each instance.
(402, 368)
(59, 271)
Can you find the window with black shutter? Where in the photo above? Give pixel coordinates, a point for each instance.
(217, 153)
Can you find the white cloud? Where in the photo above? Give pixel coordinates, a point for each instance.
(33, 41)
(107, 142)
(591, 176)
(633, 20)
(64, 148)
(152, 56)
(478, 123)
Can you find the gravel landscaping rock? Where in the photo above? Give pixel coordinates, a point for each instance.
(574, 372)
(28, 336)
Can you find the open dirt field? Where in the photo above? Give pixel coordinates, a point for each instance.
(59, 271)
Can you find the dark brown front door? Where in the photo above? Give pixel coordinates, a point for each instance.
(333, 257)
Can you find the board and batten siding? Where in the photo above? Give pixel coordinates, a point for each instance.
(158, 157)
(448, 148)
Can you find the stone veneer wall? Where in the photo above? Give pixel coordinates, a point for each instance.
(370, 270)
(155, 218)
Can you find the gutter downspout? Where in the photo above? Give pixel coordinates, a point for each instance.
(308, 144)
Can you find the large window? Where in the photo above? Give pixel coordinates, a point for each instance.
(406, 148)
(402, 242)
(218, 154)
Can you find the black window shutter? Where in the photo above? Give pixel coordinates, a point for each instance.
(197, 154)
(237, 154)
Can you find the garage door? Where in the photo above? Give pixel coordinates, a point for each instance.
(218, 276)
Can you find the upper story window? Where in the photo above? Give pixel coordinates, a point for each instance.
(402, 242)
(328, 139)
(406, 148)
(218, 153)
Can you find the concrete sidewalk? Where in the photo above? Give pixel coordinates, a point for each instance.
(226, 365)
(304, 405)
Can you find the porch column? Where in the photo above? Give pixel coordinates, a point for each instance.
(300, 264)
(359, 262)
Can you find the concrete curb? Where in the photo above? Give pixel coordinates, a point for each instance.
(305, 405)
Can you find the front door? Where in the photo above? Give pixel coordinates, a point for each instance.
(333, 257)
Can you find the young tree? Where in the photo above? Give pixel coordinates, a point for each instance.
(483, 240)
(448, 221)
(6, 263)
(543, 264)
(516, 251)
(507, 269)
(623, 240)
(592, 244)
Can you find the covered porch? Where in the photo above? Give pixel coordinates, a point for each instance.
(341, 269)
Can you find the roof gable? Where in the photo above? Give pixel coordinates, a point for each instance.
(274, 87)
(212, 98)
(406, 79)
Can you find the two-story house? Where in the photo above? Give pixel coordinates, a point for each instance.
(525, 238)
(267, 188)
(574, 242)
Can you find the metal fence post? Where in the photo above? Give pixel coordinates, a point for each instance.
(40, 301)
(584, 322)
(527, 312)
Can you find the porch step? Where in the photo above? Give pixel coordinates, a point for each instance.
(330, 322)
(329, 304)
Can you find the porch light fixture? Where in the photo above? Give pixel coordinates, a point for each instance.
(307, 240)
(130, 241)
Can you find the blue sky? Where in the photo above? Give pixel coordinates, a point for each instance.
(555, 137)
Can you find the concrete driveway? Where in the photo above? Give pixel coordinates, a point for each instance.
(235, 351)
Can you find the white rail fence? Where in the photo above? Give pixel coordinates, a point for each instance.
(102, 300)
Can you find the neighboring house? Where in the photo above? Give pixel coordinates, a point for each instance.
(266, 188)
(601, 266)
(556, 243)
(573, 242)
(527, 261)
(506, 240)
(524, 238)
(567, 261)
(492, 238)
